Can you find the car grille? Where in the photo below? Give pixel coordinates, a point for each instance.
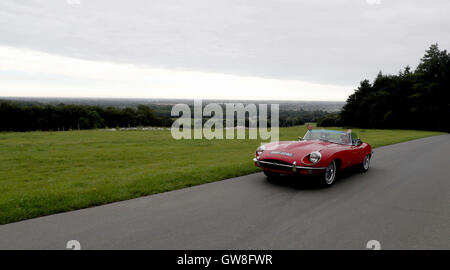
(276, 165)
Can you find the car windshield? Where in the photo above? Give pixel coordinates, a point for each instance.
(333, 136)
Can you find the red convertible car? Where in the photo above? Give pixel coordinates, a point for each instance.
(320, 151)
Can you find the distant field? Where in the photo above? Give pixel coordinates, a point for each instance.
(48, 172)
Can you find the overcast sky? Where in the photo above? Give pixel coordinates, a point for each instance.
(259, 49)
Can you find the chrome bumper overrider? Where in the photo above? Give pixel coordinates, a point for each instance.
(258, 162)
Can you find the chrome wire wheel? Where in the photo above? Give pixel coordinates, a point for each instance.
(366, 163)
(364, 167)
(330, 173)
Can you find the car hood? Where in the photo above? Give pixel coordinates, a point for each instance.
(294, 150)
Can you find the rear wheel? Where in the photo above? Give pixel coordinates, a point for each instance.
(270, 174)
(329, 176)
(364, 167)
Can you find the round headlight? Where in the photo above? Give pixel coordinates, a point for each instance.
(315, 156)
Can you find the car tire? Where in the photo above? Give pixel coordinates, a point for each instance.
(328, 178)
(271, 175)
(364, 167)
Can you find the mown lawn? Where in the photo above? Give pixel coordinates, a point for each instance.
(43, 173)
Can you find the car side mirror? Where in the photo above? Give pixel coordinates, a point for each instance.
(357, 142)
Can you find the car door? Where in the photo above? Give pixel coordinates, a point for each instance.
(356, 150)
(346, 151)
(347, 156)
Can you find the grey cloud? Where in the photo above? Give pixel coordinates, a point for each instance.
(336, 42)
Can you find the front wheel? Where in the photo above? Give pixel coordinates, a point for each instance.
(329, 176)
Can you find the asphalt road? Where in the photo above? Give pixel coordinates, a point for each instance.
(403, 202)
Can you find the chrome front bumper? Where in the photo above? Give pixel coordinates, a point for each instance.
(293, 166)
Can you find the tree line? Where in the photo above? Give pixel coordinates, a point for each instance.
(17, 117)
(416, 99)
(25, 116)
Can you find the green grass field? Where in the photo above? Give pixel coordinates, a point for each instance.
(43, 173)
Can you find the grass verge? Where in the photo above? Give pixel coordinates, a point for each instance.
(43, 173)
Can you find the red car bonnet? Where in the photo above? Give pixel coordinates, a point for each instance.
(298, 149)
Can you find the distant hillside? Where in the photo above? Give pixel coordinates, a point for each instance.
(327, 106)
(25, 114)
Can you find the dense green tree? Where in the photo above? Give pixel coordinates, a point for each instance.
(415, 100)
